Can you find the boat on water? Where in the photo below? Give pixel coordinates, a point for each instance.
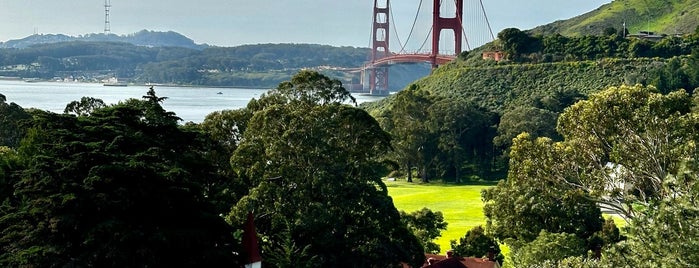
(113, 82)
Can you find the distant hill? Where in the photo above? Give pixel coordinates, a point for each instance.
(142, 38)
(660, 16)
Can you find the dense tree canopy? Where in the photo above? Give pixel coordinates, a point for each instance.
(629, 149)
(531, 199)
(427, 225)
(12, 128)
(447, 138)
(313, 171)
(120, 188)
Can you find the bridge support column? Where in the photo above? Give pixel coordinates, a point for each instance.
(378, 76)
(439, 23)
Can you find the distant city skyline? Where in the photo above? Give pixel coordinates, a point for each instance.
(237, 22)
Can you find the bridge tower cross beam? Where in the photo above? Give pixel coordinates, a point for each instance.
(378, 81)
(440, 23)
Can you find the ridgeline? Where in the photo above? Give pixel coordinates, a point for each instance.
(668, 17)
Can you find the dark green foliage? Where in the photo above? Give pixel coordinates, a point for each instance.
(13, 123)
(407, 117)
(532, 199)
(84, 107)
(608, 236)
(426, 225)
(537, 122)
(476, 243)
(9, 164)
(548, 247)
(312, 167)
(504, 89)
(448, 138)
(516, 43)
(118, 188)
(525, 47)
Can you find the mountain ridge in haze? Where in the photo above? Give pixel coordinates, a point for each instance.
(141, 38)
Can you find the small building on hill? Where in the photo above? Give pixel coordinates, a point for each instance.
(494, 55)
(648, 36)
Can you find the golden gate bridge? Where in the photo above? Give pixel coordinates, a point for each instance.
(449, 24)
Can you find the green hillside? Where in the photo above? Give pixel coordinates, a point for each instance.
(500, 87)
(659, 16)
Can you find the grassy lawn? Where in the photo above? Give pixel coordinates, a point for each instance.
(460, 204)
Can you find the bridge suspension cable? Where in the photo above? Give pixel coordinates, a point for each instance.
(412, 28)
(487, 22)
(463, 29)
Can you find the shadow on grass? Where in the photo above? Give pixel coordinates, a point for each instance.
(436, 183)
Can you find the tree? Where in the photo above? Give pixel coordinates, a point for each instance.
(516, 42)
(314, 171)
(665, 233)
(624, 142)
(84, 107)
(548, 247)
(120, 189)
(224, 131)
(609, 31)
(629, 149)
(537, 122)
(409, 112)
(426, 225)
(533, 199)
(12, 123)
(463, 133)
(476, 243)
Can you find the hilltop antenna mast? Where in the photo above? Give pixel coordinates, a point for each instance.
(107, 27)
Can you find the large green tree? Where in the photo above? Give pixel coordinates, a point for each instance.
(409, 114)
(532, 198)
(463, 133)
(12, 119)
(312, 163)
(118, 188)
(427, 225)
(476, 243)
(624, 142)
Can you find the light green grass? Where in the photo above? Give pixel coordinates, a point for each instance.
(461, 205)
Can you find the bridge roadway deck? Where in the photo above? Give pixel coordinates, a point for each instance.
(410, 58)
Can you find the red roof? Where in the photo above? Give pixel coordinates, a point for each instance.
(457, 262)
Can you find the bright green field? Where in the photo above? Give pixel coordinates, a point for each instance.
(460, 204)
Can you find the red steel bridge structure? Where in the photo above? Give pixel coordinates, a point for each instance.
(381, 57)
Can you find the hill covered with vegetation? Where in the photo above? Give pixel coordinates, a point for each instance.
(562, 122)
(142, 58)
(263, 65)
(141, 38)
(662, 17)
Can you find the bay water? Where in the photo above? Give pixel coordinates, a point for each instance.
(189, 103)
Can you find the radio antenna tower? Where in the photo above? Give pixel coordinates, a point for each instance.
(107, 27)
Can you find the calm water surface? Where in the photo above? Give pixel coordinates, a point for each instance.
(189, 103)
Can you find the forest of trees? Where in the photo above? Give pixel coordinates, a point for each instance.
(128, 185)
(125, 185)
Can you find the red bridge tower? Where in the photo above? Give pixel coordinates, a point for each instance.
(378, 80)
(378, 68)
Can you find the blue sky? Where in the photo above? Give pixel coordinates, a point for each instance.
(236, 22)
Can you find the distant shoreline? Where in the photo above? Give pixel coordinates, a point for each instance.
(34, 80)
